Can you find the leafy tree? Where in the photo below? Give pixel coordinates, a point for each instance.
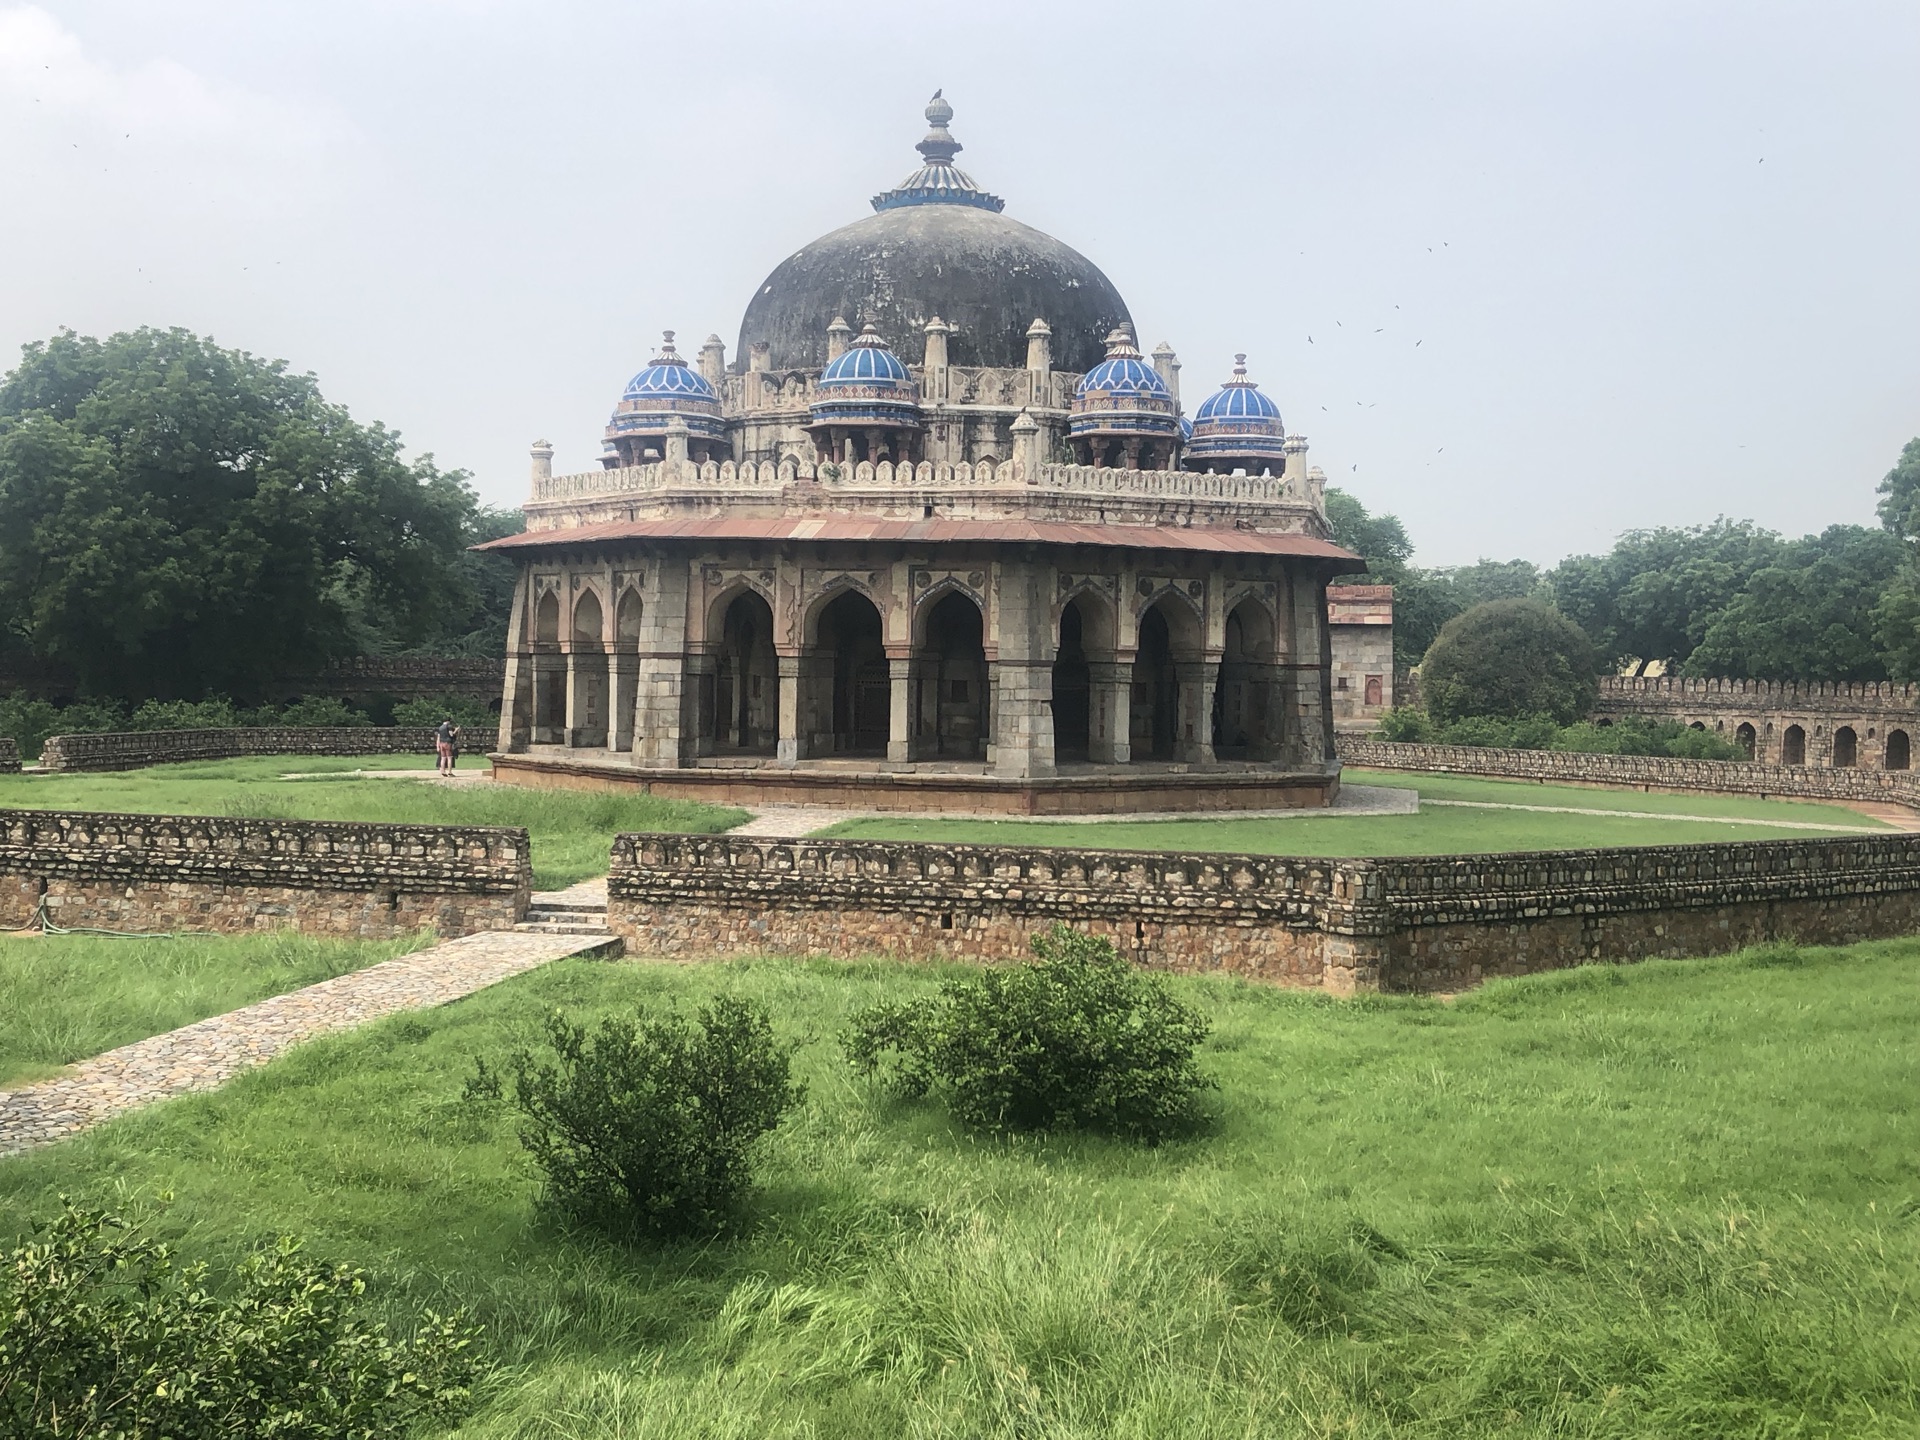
(1510, 658)
(1655, 594)
(177, 519)
(1380, 540)
(1809, 615)
(1900, 494)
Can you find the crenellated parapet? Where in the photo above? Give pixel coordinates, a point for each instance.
(1624, 690)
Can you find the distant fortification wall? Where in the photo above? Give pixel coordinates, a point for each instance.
(1418, 924)
(1651, 772)
(1868, 725)
(174, 872)
(136, 749)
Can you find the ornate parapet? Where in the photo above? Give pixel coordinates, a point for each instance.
(1663, 694)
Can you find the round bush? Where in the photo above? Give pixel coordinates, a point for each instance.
(1510, 659)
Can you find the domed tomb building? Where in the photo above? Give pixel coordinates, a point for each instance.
(940, 537)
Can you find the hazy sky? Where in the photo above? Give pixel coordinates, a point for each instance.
(1528, 274)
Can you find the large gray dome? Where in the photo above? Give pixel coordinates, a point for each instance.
(938, 246)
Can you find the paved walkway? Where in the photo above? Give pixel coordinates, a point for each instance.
(209, 1052)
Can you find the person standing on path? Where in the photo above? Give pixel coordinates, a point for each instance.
(443, 745)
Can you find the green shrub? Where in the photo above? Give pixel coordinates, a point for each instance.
(1631, 736)
(648, 1126)
(1079, 1040)
(1513, 659)
(216, 713)
(322, 711)
(103, 1335)
(1406, 725)
(477, 723)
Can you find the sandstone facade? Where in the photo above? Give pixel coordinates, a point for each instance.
(1360, 624)
(1348, 926)
(171, 872)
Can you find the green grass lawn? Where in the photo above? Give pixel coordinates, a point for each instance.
(1673, 1199)
(572, 831)
(65, 997)
(1436, 830)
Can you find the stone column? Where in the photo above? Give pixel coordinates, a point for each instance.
(1111, 702)
(576, 700)
(516, 700)
(1312, 655)
(1022, 671)
(662, 733)
(1193, 742)
(900, 709)
(620, 677)
(788, 749)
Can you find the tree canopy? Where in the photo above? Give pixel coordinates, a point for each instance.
(1510, 659)
(178, 519)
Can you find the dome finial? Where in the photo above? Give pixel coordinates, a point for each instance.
(938, 181)
(1240, 365)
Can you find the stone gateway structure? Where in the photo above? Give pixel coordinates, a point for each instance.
(1013, 576)
(1841, 725)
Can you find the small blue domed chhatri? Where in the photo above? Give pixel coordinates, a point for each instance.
(1123, 412)
(1238, 428)
(865, 404)
(667, 388)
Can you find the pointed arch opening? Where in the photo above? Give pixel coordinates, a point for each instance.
(1793, 746)
(1899, 754)
(744, 718)
(950, 705)
(1169, 642)
(1246, 711)
(1846, 748)
(847, 689)
(1745, 737)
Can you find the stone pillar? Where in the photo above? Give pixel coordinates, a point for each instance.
(837, 335)
(576, 700)
(1311, 652)
(542, 454)
(933, 379)
(1166, 364)
(788, 748)
(1193, 742)
(621, 672)
(900, 709)
(1111, 700)
(1028, 450)
(662, 735)
(516, 700)
(1022, 672)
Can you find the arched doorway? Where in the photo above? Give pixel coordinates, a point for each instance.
(1244, 708)
(588, 664)
(1846, 748)
(1744, 737)
(852, 713)
(1072, 688)
(745, 716)
(1793, 746)
(549, 673)
(1169, 641)
(1899, 750)
(950, 711)
(623, 668)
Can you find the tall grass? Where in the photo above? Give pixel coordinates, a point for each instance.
(1674, 1199)
(65, 997)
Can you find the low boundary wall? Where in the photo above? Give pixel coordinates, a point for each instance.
(1647, 772)
(1348, 926)
(9, 756)
(137, 749)
(179, 872)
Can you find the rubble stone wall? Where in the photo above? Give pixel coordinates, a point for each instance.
(175, 872)
(137, 749)
(1348, 926)
(1649, 772)
(9, 756)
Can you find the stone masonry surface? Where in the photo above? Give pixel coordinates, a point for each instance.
(179, 872)
(1345, 925)
(1657, 772)
(203, 1055)
(9, 756)
(137, 749)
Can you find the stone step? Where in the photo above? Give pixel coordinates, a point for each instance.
(568, 907)
(609, 945)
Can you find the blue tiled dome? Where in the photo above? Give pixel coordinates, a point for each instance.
(866, 385)
(666, 388)
(1123, 396)
(865, 361)
(1238, 427)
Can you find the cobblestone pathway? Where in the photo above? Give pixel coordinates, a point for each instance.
(203, 1055)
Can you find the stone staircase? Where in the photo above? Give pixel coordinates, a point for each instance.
(557, 913)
